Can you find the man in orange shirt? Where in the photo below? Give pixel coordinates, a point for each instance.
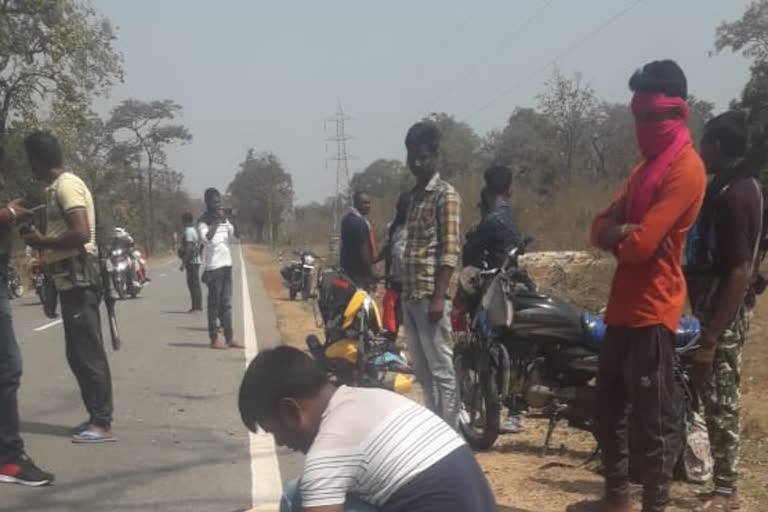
(645, 228)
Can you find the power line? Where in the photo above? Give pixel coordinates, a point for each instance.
(554, 60)
(504, 42)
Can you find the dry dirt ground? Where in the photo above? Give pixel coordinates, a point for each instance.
(521, 479)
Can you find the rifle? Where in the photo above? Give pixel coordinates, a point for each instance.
(109, 300)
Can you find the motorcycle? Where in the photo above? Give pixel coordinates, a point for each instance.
(297, 275)
(355, 352)
(45, 288)
(15, 287)
(523, 344)
(125, 272)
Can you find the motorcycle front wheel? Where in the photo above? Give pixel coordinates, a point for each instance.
(479, 402)
(119, 286)
(17, 290)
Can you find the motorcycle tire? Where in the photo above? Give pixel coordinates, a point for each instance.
(292, 292)
(17, 290)
(119, 287)
(480, 437)
(133, 290)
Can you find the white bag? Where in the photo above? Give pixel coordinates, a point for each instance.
(497, 304)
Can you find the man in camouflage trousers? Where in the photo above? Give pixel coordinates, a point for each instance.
(722, 256)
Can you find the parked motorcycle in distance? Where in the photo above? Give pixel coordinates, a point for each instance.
(45, 288)
(546, 356)
(356, 352)
(297, 275)
(15, 286)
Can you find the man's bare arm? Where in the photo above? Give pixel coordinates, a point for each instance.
(78, 234)
(730, 297)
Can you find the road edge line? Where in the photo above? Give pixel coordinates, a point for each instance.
(266, 485)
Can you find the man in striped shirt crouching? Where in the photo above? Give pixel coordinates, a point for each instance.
(367, 450)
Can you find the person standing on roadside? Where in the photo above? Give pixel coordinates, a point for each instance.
(392, 253)
(190, 261)
(15, 465)
(431, 255)
(489, 245)
(358, 244)
(216, 230)
(645, 228)
(69, 249)
(720, 270)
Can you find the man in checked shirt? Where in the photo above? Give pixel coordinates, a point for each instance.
(431, 253)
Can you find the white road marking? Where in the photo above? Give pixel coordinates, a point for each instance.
(46, 326)
(266, 485)
(163, 275)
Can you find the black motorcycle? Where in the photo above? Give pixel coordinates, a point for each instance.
(545, 356)
(297, 275)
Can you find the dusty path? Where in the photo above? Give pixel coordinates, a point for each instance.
(517, 472)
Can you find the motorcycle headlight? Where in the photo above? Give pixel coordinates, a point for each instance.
(309, 259)
(117, 252)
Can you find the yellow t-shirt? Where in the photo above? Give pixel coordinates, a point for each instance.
(65, 194)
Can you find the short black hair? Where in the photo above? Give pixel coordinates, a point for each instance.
(660, 76)
(358, 192)
(275, 374)
(186, 218)
(210, 192)
(498, 179)
(730, 130)
(43, 149)
(424, 133)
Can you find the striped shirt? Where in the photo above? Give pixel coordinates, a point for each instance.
(433, 236)
(371, 443)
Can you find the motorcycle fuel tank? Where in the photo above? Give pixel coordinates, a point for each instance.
(541, 316)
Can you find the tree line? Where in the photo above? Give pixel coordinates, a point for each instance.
(57, 57)
(568, 152)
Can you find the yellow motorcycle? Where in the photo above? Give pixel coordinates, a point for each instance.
(355, 351)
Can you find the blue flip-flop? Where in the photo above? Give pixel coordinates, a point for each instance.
(90, 436)
(80, 428)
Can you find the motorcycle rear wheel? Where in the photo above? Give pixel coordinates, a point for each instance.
(479, 403)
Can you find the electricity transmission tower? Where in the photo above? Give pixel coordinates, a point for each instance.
(342, 173)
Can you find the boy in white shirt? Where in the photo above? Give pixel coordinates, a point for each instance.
(216, 230)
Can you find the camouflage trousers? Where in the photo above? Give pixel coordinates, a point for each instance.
(721, 398)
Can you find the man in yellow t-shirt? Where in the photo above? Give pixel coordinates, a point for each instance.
(69, 247)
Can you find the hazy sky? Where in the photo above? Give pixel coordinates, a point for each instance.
(265, 74)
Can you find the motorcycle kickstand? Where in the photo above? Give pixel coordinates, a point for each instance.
(553, 419)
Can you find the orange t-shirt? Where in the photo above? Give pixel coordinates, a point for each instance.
(649, 289)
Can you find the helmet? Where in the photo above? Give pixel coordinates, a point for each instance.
(118, 233)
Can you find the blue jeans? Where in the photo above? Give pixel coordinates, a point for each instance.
(431, 349)
(219, 282)
(11, 445)
(291, 501)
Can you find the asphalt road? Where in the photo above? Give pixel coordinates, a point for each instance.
(182, 446)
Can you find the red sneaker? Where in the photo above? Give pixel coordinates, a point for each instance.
(23, 471)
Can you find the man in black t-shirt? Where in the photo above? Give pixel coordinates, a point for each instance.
(720, 277)
(358, 246)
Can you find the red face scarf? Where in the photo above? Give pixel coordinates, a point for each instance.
(659, 143)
